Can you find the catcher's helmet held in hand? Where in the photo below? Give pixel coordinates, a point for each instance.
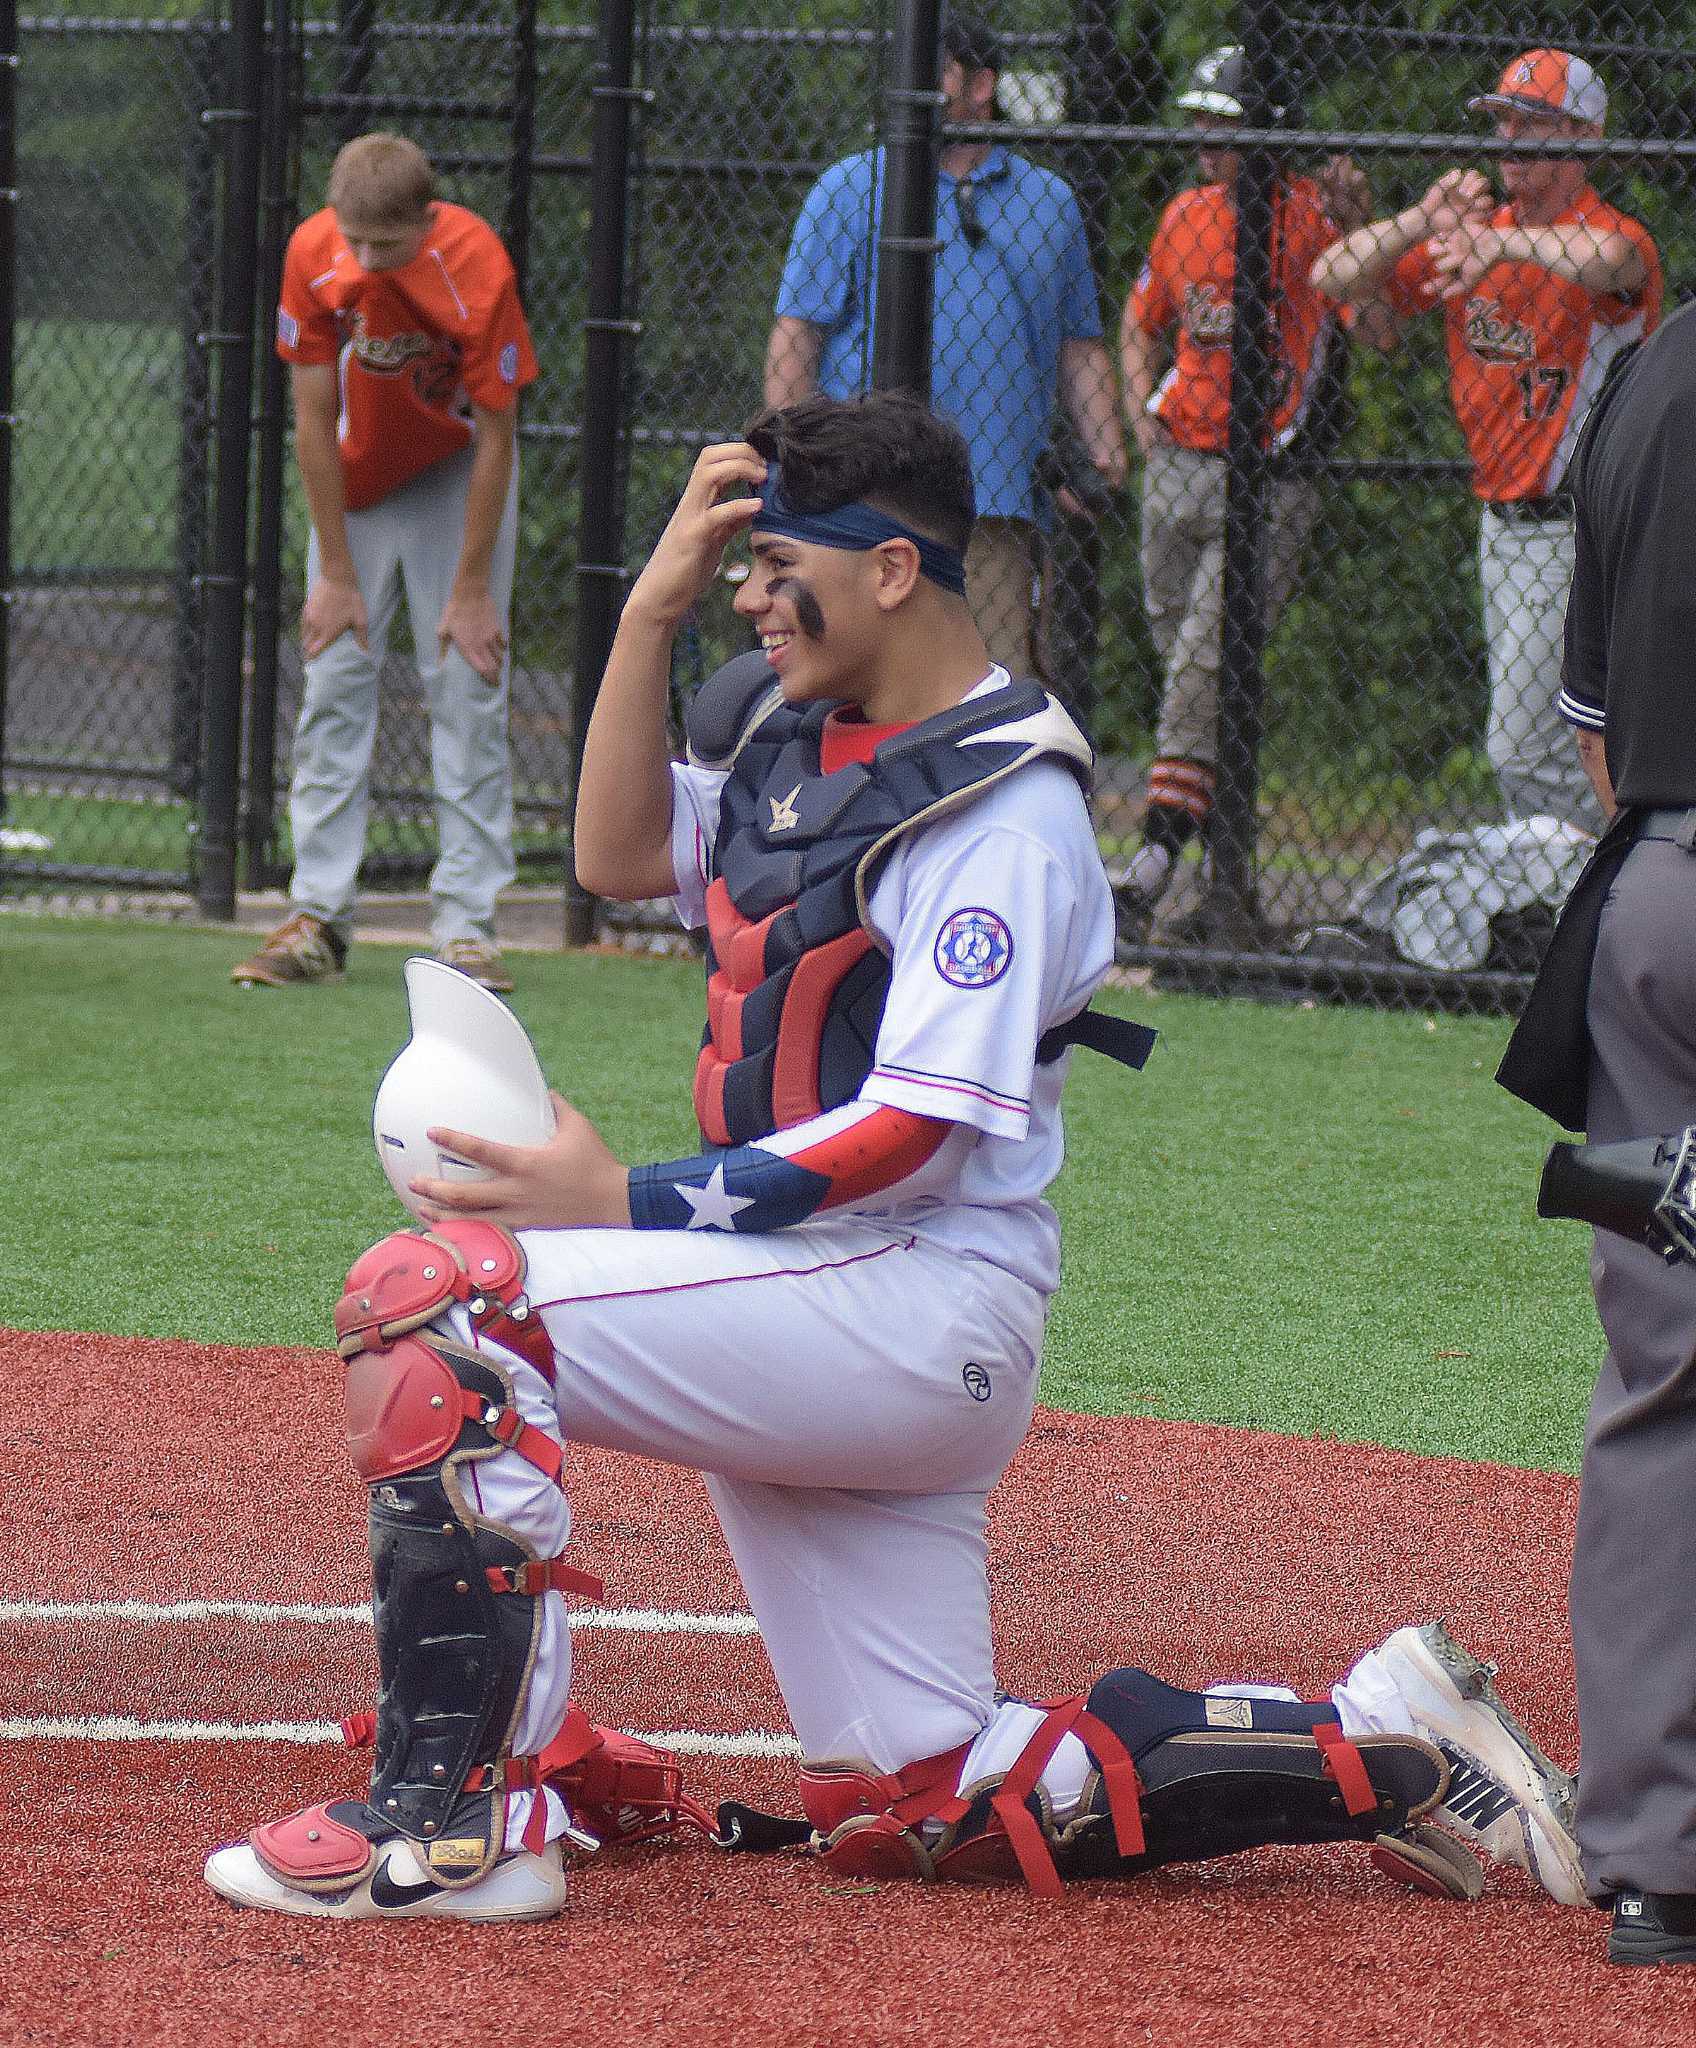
(469, 1064)
(1220, 84)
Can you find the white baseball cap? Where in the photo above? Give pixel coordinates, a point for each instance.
(1547, 82)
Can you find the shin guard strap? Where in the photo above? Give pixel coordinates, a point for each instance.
(1120, 1780)
(1344, 1763)
(548, 1575)
(1118, 1776)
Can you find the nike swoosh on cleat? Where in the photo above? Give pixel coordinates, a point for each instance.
(387, 1895)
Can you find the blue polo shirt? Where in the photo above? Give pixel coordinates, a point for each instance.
(1003, 308)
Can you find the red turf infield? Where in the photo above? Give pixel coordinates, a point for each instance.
(166, 1472)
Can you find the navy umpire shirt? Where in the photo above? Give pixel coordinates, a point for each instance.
(1630, 668)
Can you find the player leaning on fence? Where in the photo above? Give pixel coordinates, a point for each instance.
(1539, 295)
(834, 1309)
(408, 346)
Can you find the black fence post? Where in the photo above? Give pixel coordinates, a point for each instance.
(226, 608)
(8, 342)
(601, 574)
(1071, 623)
(515, 227)
(356, 22)
(1233, 829)
(199, 311)
(907, 244)
(276, 205)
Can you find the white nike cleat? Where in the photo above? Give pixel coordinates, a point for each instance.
(521, 1886)
(1505, 1797)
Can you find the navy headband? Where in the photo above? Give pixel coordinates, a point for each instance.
(855, 526)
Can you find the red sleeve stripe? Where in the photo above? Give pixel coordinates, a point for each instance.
(873, 1153)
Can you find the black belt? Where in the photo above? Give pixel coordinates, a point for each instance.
(1678, 825)
(1559, 507)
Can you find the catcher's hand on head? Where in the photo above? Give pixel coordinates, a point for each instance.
(573, 1182)
(708, 517)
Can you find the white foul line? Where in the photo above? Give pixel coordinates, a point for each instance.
(658, 1621)
(125, 1728)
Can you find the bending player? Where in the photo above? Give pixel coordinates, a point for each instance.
(835, 1309)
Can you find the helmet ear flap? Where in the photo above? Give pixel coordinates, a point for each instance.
(469, 1064)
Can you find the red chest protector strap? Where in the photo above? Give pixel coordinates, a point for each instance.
(409, 1277)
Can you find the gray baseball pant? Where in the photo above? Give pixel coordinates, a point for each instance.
(1525, 570)
(412, 540)
(1183, 583)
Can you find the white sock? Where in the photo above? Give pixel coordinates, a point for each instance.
(559, 1821)
(1368, 1701)
(998, 1747)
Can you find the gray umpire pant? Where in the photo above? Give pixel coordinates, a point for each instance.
(1634, 1563)
(1525, 572)
(412, 540)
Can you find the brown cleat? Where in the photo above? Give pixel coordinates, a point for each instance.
(302, 949)
(479, 959)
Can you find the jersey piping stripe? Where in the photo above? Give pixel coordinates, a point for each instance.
(453, 290)
(952, 1084)
(904, 1244)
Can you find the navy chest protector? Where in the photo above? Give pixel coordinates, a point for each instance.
(796, 984)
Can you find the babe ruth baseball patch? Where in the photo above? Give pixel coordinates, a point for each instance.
(509, 363)
(288, 329)
(973, 948)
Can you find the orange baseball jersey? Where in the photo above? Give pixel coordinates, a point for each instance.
(1528, 351)
(415, 347)
(1188, 280)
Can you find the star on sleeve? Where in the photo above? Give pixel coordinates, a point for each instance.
(711, 1206)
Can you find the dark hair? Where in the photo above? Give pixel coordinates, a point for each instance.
(970, 41)
(886, 448)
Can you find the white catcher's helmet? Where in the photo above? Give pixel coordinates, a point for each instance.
(469, 1064)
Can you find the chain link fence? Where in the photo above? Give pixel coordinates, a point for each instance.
(111, 304)
(1292, 543)
(1269, 435)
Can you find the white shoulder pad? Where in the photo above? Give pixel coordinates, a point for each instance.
(1052, 730)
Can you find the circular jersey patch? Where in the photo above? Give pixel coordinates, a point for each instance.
(509, 363)
(976, 1382)
(973, 948)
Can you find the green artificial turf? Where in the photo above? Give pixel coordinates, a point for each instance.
(1310, 1220)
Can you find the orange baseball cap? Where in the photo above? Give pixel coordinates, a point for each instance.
(1547, 82)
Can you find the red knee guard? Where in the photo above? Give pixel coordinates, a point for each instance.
(405, 1407)
(411, 1276)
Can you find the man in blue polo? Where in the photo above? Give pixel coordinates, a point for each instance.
(1017, 320)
